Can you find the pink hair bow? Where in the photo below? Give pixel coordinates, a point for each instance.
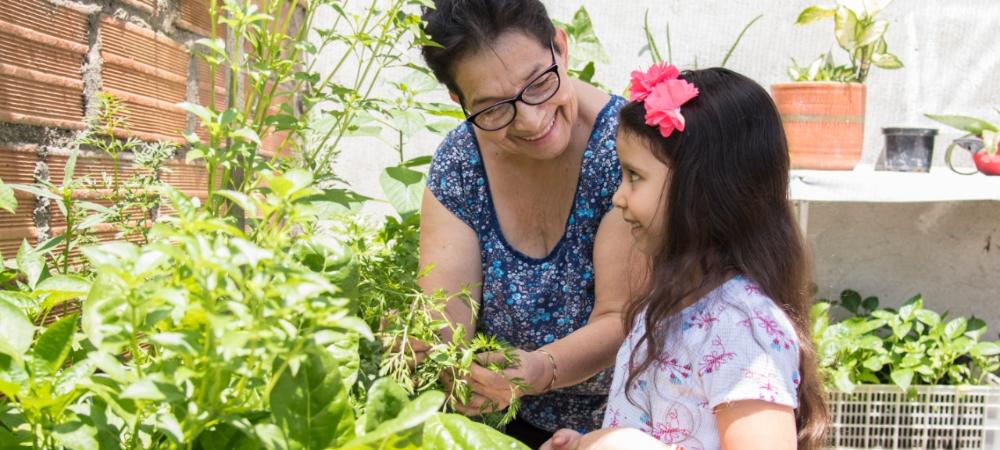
(663, 93)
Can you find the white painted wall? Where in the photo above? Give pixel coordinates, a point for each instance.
(951, 50)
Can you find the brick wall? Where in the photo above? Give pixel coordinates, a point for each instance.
(56, 56)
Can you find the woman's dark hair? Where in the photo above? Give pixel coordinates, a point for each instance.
(464, 27)
(727, 212)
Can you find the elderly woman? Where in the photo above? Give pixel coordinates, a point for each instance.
(518, 209)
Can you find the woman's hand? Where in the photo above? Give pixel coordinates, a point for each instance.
(564, 439)
(492, 391)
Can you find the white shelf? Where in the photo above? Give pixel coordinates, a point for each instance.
(864, 184)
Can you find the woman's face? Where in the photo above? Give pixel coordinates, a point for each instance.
(642, 192)
(500, 72)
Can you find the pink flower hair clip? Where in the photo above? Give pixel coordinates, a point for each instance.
(663, 93)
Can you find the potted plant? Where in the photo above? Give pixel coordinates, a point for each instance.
(983, 140)
(907, 377)
(823, 109)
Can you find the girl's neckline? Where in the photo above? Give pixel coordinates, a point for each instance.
(602, 118)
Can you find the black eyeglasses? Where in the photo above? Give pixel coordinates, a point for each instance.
(538, 91)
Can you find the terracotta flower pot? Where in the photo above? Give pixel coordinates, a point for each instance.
(824, 123)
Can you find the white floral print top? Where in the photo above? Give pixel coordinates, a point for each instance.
(733, 344)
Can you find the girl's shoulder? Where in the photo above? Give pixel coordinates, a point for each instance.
(740, 305)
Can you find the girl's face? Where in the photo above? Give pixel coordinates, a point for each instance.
(502, 71)
(642, 192)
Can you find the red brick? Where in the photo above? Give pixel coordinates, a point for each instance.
(148, 72)
(195, 17)
(132, 42)
(66, 23)
(191, 179)
(43, 48)
(17, 165)
(147, 6)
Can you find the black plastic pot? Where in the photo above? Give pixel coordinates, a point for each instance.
(909, 149)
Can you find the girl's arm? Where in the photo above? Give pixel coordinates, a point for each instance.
(749, 424)
(605, 439)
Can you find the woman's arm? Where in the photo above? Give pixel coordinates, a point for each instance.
(452, 248)
(618, 276)
(756, 424)
(619, 271)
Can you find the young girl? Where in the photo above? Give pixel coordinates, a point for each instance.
(719, 354)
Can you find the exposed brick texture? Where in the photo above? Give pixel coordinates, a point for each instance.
(56, 55)
(148, 71)
(43, 48)
(194, 16)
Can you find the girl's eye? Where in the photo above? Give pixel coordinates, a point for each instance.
(633, 177)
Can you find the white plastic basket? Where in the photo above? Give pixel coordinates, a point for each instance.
(940, 417)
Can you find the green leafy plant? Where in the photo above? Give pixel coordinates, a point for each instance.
(657, 57)
(132, 200)
(81, 216)
(585, 48)
(906, 347)
(986, 131)
(241, 322)
(858, 32)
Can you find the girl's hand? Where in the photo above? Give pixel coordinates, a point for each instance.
(492, 391)
(564, 439)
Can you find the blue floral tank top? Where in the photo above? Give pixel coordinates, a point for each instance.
(530, 302)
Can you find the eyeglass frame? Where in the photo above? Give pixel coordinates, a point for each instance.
(554, 68)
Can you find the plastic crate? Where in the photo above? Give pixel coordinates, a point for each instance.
(940, 417)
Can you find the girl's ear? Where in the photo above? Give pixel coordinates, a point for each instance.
(561, 42)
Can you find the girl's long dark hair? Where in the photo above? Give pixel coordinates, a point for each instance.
(727, 212)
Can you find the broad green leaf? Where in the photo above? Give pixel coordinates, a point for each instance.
(385, 400)
(13, 377)
(955, 328)
(846, 28)
(204, 114)
(30, 263)
(240, 199)
(928, 317)
(873, 33)
(850, 300)
(870, 303)
(408, 122)
(451, 431)
(886, 61)
(271, 437)
(344, 350)
(311, 406)
(403, 431)
(15, 328)
(986, 349)
(53, 346)
(967, 124)
(902, 378)
(153, 388)
(247, 135)
(7, 199)
(59, 288)
(404, 188)
(103, 313)
(814, 13)
(77, 435)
